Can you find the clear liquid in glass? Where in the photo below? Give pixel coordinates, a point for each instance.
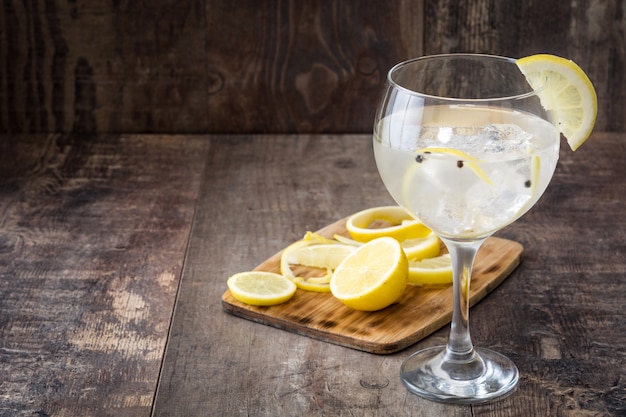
(487, 167)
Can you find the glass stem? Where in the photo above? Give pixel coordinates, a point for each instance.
(460, 349)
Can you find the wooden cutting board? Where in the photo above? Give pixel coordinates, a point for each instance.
(420, 312)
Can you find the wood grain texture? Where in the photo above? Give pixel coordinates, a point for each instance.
(559, 315)
(310, 66)
(420, 311)
(271, 66)
(591, 33)
(95, 66)
(93, 232)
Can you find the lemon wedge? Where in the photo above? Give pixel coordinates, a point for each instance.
(261, 288)
(389, 221)
(566, 90)
(431, 271)
(372, 277)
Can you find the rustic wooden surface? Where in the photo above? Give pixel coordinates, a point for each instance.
(559, 315)
(196, 66)
(93, 234)
(97, 233)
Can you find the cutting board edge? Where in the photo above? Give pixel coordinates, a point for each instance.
(377, 348)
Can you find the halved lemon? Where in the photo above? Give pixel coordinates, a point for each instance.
(372, 277)
(389, 221)
(566, 90)
(261, 288)
(431, 271)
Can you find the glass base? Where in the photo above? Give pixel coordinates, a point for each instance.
(485, 376)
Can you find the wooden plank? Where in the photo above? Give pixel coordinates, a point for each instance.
(420, 312)
(93, 232)
(588, 32)
(259, 193)
(96, 67)
(567, 315)
(194, 66)
(305, 66)
(559, 315)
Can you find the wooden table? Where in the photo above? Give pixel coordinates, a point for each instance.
(115, 250)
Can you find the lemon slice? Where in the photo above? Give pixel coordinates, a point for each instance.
(421, 248)
(346, 240)
(309, 253)
(463, 159)
(372, 277)
(313, 237)
(390, 221)
(567, 91)
(261, 288)
(415, 249)
(431, 271)
(326, 255)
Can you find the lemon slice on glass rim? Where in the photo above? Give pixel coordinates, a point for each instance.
(565, 89)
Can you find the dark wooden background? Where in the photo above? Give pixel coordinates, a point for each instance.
(268, 66)
(99, 243)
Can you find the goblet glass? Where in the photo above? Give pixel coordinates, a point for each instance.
(462, 142)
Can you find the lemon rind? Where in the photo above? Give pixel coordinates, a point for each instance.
(541, 67)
